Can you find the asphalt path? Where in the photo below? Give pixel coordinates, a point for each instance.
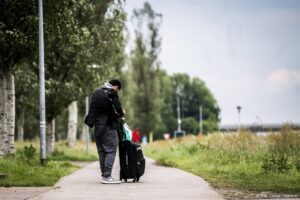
(158, 183)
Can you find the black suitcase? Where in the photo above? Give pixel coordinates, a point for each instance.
(132, 161)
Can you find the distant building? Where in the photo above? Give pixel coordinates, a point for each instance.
(255, 128)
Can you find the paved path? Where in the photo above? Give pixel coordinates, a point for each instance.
(158, 183)
(21, 193)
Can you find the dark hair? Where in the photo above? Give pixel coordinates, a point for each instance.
(115, 82)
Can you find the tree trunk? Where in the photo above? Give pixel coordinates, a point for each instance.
(20, 124)
(7, 113)
(83, 133)
(50, 137)
(11, 113)
(72, 123)
(3, 130)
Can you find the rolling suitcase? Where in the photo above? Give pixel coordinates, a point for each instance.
(132, 161)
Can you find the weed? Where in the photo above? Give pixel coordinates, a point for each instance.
(297, 164)
(29, 152)
(276, 163)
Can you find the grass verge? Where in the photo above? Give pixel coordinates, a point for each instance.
(22, 173)
(238, 161)
(24, 169)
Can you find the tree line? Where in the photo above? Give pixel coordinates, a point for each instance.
(84, 47)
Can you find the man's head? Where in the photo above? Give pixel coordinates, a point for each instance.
(116, 84)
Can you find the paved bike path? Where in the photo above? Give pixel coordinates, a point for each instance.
(158, 183)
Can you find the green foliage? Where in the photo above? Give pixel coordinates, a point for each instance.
(190, 125)
(81, 38)
(193, 93)
(18, 32)
(168, 116)
(84, 44)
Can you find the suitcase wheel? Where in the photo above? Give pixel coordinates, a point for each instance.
(136, 179)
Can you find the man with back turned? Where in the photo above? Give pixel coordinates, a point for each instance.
(105, 110)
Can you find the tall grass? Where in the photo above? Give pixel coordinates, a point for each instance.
(241, 160)
(76, 153)
(64, 153)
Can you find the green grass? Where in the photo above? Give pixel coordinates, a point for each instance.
(24, 168)
(236, 161)
(21, 173)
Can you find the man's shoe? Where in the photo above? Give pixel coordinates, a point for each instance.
(109, 180)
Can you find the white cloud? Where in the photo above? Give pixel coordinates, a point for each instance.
(283, 79)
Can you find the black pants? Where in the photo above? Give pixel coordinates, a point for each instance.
(107, 142)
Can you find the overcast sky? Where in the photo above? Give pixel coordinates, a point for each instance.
(247, 52)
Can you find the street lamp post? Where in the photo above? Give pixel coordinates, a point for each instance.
(42, 87)
(178, 114)
(259, 123)
(87, 136)
(239, 108)
(178, 93)
(200, 119)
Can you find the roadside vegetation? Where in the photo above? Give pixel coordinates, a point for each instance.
(239, 160)
(24, 169)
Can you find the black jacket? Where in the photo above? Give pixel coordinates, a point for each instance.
(105, 108)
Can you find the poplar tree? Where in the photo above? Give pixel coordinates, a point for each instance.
(18, 30)
(143, 66)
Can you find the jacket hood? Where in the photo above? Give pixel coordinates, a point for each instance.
(108, 85)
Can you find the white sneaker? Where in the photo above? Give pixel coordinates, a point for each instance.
(109, 180)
